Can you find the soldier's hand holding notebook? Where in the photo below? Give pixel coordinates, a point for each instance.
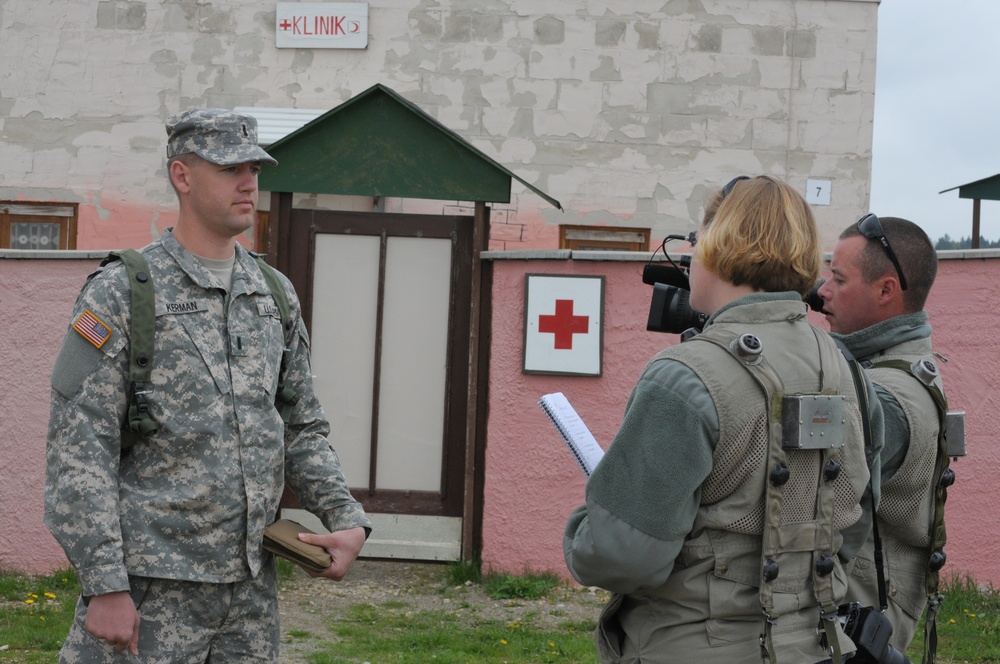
(281, 539)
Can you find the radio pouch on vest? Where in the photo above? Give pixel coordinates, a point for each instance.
(142, 338)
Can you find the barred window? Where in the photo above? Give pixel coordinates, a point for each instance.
(37, 226)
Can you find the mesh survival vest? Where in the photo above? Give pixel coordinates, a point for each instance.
(142, 337)
(783, 535)
(925, 373)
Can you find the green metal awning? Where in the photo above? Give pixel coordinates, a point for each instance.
(985, 189)
(380, 144)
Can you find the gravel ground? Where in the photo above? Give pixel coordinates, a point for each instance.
(309, 605)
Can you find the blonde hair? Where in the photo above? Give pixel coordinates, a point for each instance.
(762, 234)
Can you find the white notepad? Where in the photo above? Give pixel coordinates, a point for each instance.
(574, 432)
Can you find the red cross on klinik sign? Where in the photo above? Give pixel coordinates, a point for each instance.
(563, 330)
(321, 25)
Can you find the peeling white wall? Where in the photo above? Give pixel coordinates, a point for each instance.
(627, 112)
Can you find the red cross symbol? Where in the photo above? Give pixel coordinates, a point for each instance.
(564, 324)
(285, 25)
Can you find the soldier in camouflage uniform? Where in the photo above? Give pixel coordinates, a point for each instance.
(165, 530)
(875, 305)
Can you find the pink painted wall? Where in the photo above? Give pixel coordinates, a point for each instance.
(36, 301)
(532, 483)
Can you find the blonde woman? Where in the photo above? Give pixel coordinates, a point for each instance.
(717, 515)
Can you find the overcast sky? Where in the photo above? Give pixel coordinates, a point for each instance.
(937, 121)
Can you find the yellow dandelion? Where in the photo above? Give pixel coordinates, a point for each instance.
(972, 615)
(41, 617)
(952, 621)
(503, 642)
(552, 645)
(50, 595)
(34, 595)
(29, 601)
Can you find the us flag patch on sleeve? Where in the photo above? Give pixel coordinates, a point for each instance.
(92, 328)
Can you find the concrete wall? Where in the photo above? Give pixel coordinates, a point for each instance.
(532, 482)
(626, 112)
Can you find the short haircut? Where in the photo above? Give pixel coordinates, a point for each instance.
(188, 159)
(914, 251)
(762, 234)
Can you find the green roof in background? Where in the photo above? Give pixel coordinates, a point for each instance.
(985, 189)
(379, 144)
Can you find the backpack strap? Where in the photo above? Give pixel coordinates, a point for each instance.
(143, 315)
(285, 398)
(142, 339)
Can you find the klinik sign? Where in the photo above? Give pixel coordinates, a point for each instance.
(321, 25)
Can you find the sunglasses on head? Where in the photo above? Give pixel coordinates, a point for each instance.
(732, 183)
(871, 228)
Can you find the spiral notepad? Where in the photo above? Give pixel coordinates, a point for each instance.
(574, 432)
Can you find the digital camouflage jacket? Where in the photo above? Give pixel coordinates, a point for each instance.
(191, 501)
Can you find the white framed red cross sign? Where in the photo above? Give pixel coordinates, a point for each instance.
(563, 324)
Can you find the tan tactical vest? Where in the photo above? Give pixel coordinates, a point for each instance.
(769, 512)
(907, 509)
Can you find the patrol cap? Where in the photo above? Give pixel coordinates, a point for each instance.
(217, 135)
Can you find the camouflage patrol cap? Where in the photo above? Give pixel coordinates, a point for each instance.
(217, 135)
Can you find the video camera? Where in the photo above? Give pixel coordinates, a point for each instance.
(670, 310)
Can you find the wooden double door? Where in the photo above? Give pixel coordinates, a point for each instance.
(387, 299)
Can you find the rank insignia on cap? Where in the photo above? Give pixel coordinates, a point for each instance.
(92, 328)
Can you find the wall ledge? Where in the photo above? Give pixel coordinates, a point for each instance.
(517, 254)
(569, 254)
(644, 256)
(966, 254)
(53, 254)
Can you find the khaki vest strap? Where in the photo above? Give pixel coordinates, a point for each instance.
(930, 628)
(143, 314)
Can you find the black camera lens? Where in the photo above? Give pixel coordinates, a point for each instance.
(670, 311)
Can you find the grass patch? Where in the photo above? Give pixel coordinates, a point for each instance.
(36, 613)
(464, 571)
(373, 634)
(968, 624)
(286, 569)
(530, 585)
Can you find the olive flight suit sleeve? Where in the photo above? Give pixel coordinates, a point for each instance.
(88, 404)
(897, 433)
(643, 497)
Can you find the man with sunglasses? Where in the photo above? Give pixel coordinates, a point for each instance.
(881, 273)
